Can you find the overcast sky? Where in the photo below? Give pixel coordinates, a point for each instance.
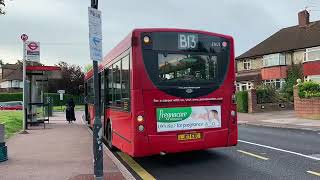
(61, 26)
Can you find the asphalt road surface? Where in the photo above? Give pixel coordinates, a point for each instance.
(262, 153)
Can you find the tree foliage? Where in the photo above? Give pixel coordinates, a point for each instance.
(293, 73)
(87, 68)
(1, 6)
(72, 79)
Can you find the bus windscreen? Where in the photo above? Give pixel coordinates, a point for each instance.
(178, 60)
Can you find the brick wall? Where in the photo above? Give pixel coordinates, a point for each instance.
(311, 68)
(306, 107)
(252, 101)
(276, 72)
(10, 90)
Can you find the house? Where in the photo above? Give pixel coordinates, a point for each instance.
(267, 62)
(11, 78)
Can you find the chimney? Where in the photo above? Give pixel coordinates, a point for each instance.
(303, 17)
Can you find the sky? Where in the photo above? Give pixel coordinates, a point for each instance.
(61, 26)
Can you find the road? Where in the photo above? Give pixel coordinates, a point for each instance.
(262, 153)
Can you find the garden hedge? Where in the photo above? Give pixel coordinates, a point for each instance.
(309, 89)
(242, 101)
(4, 97)
(55, 98)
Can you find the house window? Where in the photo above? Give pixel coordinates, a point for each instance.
(15, 84)
(238, 87)
(312, 54)
(247, 64)
(277, 83)
(315, 78)
(274, 60)
(243, 86)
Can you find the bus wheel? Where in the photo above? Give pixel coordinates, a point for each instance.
(109, 136)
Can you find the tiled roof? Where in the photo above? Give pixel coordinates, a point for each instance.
(287, 39)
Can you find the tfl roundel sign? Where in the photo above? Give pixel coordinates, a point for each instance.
(33, 51)
(33, 46)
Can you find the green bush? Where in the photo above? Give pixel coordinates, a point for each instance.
(242, 101)
(269, 94)
(4, 97)
(78, 100)
(309, 89)
(294, 72)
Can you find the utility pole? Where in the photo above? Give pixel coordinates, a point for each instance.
(95, 41)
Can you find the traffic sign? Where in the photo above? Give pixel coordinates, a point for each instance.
(96, 48)
(33, 51)
(61, 91)
(94, 22)
(95, 34)
(24, 37)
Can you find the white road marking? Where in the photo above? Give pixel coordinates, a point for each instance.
(282, 150)
(314, 173)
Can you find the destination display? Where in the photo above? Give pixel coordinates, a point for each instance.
(174, 41)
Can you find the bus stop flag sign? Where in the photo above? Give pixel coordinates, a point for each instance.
(33, 51)
(95, 34)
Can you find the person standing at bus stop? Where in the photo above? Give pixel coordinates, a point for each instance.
(70, 116)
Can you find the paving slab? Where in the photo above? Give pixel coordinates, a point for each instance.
(280, 119)
(61, 151)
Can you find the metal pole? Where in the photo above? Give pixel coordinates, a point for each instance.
(24, 123)
(97, 125)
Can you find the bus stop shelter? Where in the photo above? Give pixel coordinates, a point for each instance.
(38, 102)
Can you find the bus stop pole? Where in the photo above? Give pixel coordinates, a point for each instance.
(24, 82)
(97, 125)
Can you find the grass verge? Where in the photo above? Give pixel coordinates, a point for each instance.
(12, 121)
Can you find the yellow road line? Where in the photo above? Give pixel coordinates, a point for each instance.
(314, 173)
(254, 155)
(136, 167)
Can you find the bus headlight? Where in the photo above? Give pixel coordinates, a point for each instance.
(140, 118)
(141, 128)
(146, 39)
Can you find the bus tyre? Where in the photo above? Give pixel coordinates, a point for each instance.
(109, 136)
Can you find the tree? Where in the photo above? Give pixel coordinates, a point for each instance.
(1, 62)
(294, 72)
(72, 79)
(2, 4)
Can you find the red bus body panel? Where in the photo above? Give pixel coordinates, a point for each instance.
(126, 135)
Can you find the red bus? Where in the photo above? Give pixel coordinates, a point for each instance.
(166, 91)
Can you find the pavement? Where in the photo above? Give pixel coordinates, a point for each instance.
(262, 153)
(61, 151)
(279, 119)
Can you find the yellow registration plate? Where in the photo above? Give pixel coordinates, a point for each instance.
(189, 136)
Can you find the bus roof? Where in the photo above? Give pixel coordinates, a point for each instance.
(127, 42)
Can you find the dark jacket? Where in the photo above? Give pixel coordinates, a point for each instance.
(70, 110)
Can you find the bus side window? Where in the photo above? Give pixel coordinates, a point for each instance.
(125, 83)
(116, 69)
(109, 86)
(101, 92)
(90, 95)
